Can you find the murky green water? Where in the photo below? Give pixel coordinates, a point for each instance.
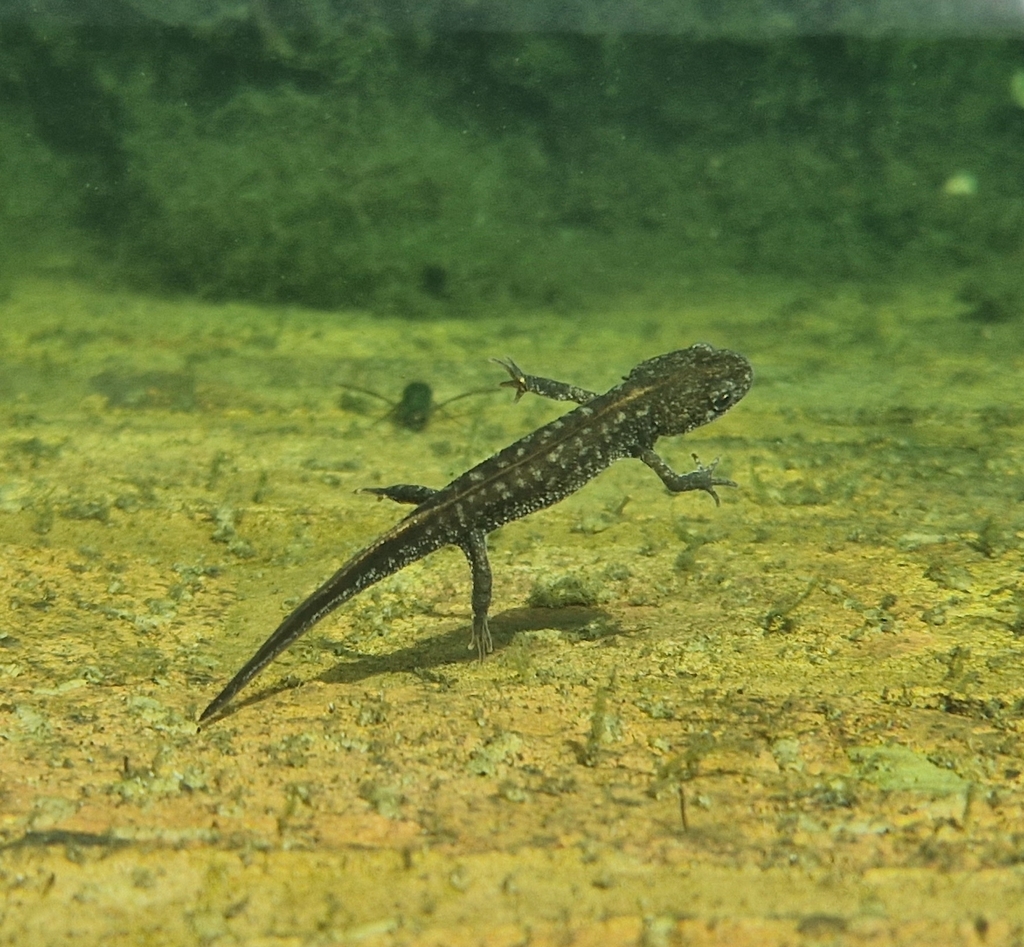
(795, 717)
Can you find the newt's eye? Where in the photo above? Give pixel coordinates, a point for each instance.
(722, 401)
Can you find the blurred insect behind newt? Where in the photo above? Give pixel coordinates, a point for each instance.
(416, 407)
(666, 395)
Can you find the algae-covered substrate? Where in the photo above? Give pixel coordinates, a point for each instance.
(792, 719)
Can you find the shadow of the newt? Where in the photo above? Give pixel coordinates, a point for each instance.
(449, 648)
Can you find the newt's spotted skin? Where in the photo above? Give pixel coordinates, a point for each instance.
(670, 394)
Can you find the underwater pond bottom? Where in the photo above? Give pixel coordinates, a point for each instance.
(795, 718)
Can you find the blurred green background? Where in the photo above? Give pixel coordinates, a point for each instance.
(450, 156)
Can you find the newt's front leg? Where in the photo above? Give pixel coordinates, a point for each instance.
(545, 387)
(703, 478)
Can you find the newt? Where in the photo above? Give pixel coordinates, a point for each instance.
(666, 395)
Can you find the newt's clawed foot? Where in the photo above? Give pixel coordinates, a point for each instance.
(517, 379)
(704, 478)
(481, 639)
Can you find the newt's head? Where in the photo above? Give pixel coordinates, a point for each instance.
(691, 387)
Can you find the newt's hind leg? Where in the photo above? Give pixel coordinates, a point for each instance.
(401, 492)
(475, 548)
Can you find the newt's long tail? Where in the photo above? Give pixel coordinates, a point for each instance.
(374, 563)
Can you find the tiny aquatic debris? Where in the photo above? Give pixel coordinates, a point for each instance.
(153, 389)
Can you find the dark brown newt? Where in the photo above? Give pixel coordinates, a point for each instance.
(666, 395)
